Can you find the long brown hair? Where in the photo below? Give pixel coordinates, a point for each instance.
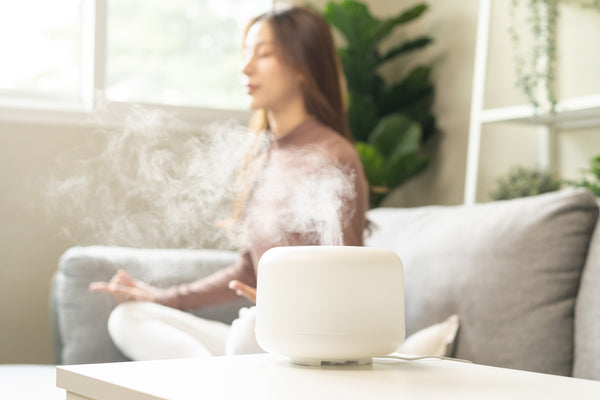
(304, 41)
(306, 44)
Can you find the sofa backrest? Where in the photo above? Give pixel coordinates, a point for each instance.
(509, 269)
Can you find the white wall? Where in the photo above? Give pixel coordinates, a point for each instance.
(30, 244)
(579, 70)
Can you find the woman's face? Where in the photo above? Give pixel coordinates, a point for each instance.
(270, 83)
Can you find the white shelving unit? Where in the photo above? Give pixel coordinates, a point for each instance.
(571, 113)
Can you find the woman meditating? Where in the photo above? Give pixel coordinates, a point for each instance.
(293, 78)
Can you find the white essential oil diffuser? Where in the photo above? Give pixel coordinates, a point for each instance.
(330, 304)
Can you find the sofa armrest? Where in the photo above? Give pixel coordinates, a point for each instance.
(81, 316)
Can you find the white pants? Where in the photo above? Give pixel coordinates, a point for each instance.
(150, 331)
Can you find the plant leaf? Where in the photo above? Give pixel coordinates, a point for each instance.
(359, 70)
(595, 166)
(396, 135)
(398, 139)
(373, 162)
(354, 21)
(401, 169)
(405, 47)
(420, 111)
(362, 115)
(388, 25)
(413, 96)
(416, 84)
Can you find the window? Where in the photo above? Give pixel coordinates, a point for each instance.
(176, 52)
(41, 50)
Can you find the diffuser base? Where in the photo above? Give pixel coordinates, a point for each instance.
(318, 363)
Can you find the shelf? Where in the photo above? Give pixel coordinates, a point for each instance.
(572, 113)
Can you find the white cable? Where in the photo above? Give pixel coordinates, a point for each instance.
(415, 358)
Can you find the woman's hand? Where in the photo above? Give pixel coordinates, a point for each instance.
(124, 288)
(241, 289)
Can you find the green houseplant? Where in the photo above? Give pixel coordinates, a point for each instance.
(591, 178)
(390, 122)
(523, 182)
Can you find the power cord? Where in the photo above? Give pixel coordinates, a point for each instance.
(415, 358)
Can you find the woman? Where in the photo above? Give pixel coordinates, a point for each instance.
(293, 78)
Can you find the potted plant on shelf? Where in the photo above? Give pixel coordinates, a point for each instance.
(523, 182)
(390, 122)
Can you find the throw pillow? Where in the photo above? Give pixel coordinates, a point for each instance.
(511, 270)
(435, 340)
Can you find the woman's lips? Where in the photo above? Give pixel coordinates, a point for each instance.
(251, 88)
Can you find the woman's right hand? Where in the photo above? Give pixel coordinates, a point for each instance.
(243, 290)
(124, 288)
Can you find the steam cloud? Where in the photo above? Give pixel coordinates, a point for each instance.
(309, 202)
(151, 181)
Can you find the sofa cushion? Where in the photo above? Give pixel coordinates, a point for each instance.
(509, 269)
(587, 316)
(82, 316)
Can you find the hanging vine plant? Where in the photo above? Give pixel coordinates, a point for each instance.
(535, 67)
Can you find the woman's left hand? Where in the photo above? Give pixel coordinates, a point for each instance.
(241, 289)
(124, 288)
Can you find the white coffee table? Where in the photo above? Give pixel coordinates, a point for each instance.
(266, 376)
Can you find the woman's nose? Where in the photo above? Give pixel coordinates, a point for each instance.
(247, 65)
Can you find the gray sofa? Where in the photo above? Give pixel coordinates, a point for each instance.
(518, 273)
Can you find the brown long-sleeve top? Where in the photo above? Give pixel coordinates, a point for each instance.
(311, 190)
